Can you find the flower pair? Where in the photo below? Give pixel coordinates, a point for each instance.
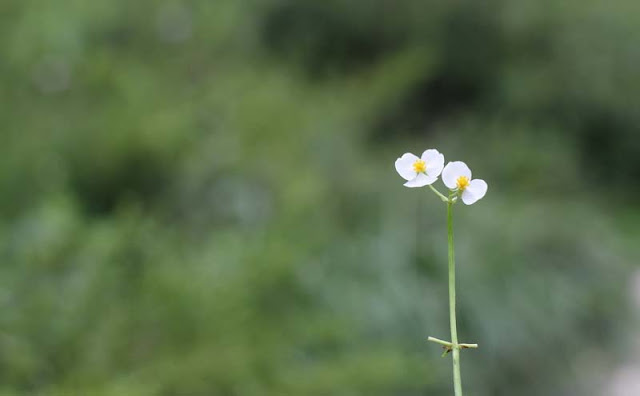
(423, 171)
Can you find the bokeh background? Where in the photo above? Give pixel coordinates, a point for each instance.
(199, 197)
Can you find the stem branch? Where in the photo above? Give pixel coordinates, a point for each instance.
(450, 345)
(441, 342)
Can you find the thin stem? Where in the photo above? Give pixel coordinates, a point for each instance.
(457, 380)
(438, 193)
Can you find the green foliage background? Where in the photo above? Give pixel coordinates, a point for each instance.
(198, 197)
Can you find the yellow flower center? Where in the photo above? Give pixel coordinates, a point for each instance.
(420, 166)
(462, 182)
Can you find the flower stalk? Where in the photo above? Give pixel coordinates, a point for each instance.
(438, 193)
(457, 379)
(454, 346)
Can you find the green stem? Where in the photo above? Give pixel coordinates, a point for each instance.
(438, 193)
(457, 380)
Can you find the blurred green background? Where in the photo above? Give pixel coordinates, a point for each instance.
(199, 197)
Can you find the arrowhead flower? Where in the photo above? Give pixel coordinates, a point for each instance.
(423, 171)
(457, 177)
(420, 172)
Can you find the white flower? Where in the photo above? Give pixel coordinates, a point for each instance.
(457, 176)
(422, 171)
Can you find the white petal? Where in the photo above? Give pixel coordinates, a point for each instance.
(474, 191)
(453, 171)
(434, 161)
(420, 181)
(404, 166)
